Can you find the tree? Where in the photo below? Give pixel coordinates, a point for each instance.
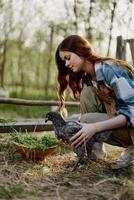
(6, 28)
(88, 28)
(114, 5)
(48, 74)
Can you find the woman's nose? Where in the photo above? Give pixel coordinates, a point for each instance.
(67, 63)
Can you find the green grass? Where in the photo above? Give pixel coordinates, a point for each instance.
(20, 111)
(11, 191)
(34, 142)
(34, 94)
(23, 111)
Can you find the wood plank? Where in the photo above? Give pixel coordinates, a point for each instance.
(121, 48)
(131, 43)
(28, 102)
(29, 125)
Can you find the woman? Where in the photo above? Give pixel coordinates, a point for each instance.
(105, 87)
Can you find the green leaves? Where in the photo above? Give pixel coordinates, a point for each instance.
(33, 142)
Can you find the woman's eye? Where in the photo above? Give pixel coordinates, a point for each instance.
(67, 57)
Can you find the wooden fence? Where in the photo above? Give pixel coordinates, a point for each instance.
(36, 125)
(30, 125)
(121, 50)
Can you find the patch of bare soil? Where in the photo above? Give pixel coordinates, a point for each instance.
(52, 179)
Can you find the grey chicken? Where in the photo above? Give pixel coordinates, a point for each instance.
(64, 130)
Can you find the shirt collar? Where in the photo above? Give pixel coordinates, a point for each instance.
(99, 71)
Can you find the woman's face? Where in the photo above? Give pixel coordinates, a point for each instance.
(72, 60)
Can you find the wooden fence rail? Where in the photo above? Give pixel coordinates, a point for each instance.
(36, 102)
(30, 125)
(26, 125)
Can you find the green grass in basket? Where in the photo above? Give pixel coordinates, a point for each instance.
(33, 142)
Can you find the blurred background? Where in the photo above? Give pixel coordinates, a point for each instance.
(30, 32)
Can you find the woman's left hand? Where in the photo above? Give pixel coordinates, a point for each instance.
(82, 136)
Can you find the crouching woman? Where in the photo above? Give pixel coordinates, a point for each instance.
(105, 87)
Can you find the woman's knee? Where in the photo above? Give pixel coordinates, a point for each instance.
(93, 117)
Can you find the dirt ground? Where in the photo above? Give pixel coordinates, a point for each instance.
(52, 179)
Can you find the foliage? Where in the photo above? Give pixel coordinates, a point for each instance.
(25, 35)
(25, 43)
(33, 142)
(32, 93)
(10, 191)
(6, 120)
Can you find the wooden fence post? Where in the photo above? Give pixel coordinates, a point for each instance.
(121, 48)
(131, 44)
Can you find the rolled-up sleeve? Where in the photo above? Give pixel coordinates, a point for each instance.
(123, 85)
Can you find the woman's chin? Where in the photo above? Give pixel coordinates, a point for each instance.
(75, 70)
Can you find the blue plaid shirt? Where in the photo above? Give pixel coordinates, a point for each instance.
(122, 83)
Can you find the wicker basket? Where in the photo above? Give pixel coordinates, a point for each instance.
(34, 154)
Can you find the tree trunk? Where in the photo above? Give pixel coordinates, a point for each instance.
(48, 78)
(3, 63)
(88, 29)
(20, 65)
(111, 26)
(76, 16)
(38, 70)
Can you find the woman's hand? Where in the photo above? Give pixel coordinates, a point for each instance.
(82, 136)
(88, 130)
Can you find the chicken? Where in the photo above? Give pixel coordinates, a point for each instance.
(65, 129)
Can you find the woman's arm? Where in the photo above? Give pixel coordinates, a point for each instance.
(119, 80)
(91, 129)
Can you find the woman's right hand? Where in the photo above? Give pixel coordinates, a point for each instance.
(82, 136)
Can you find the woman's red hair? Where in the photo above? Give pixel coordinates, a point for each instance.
(81, 47)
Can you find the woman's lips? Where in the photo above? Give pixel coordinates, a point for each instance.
(71, 67)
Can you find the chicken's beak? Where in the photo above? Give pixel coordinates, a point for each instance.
(46, 120)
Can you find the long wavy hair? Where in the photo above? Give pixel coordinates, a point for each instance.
(81, 47)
